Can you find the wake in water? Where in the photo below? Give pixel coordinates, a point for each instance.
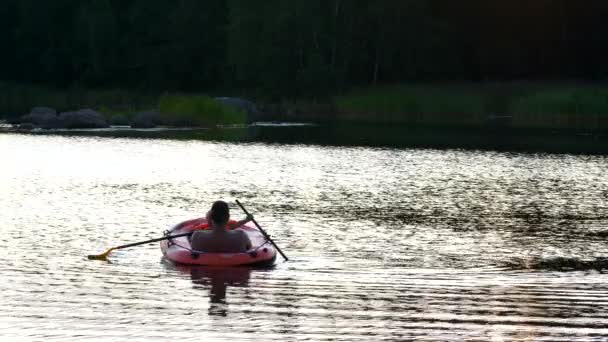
(564, 264)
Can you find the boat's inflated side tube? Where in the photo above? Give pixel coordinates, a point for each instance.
(178, 250)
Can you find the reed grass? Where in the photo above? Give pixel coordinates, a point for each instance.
(583, 107)
(413, 104)
(534, 105)
(563, 101)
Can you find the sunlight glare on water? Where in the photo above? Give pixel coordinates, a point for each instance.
(385, 244)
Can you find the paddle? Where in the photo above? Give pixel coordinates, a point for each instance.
(103, 256)
(262, 230)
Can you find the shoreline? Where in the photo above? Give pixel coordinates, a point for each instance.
(570, 106)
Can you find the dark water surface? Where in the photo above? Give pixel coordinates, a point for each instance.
(386, 243)
(493, 138)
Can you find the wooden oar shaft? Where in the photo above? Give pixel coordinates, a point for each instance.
(153, 240)
(104, 255)
(263, 232)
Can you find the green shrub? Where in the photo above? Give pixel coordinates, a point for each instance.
(197, 110)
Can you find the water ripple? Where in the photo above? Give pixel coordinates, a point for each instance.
(385, 244)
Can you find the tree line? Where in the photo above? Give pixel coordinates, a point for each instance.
(298, 47)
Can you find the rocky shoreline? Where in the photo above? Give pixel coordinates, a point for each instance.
(47, 118)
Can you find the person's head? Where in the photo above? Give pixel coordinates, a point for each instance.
(219, 213)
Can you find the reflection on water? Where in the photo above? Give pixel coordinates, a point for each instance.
(384, 243)
(216, 280)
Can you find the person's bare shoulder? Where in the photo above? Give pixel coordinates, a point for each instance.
(237, 233)
(200, 233)
(242, 238)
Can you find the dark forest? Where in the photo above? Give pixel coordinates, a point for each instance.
(298, 47)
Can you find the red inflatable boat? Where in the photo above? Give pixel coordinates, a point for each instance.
(178, 250)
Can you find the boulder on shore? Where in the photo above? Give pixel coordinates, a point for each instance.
(47, 118)
(44, 117)
(83, 118)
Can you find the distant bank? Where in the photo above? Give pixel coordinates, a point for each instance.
(565, 106)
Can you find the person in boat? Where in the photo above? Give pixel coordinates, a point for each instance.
(221, 238)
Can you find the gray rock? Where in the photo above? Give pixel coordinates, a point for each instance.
(41, 117)
(147, 119)
(84, 118)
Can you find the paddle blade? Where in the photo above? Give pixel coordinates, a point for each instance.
(103, 256)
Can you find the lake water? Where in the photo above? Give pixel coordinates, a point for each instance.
(385, 243)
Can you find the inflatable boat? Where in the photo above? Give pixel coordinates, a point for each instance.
(179, 250)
